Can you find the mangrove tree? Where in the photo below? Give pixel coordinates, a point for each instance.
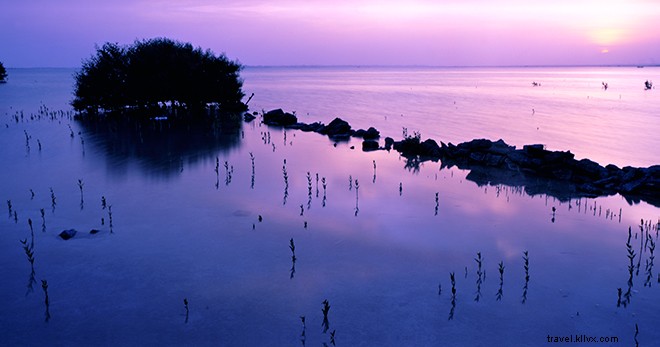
(157, 74)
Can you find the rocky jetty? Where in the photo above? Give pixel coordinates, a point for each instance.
(494, 162)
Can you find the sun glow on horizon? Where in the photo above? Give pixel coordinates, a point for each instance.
(444, 32)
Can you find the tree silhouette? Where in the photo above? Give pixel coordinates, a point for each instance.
(3, 73)
(155, 74)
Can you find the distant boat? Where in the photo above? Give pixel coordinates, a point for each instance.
(640, 66)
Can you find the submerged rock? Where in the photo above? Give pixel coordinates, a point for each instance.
(68, 234)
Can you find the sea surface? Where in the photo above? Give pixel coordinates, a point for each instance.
(236, 233)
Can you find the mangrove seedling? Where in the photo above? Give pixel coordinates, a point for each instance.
(228, 172)
(185, 305)
(649, 263)
(499, 291)
(309, 190)
(43, 220)
(292, 247)
(110, 217)
(437, 203)
(400, 188)
(303, 334)
(325, 310)
(526, 267)
(80, 186)
(31, 194)
(53, 199)
(479, 261)
(323, 182)
(9, 206)
(104, 203)
(453, 295)
(44, 285)
(332, 337)
(357, 189)
(292, 271)
(252, 177)
(29, 252)
(286, 182)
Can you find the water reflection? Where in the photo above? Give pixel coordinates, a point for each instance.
(162, 146)
(561, 190)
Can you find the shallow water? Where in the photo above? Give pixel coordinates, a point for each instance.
(377, 253)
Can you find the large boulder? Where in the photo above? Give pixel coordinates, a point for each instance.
(429, 148)
(279, 117)
(371, 134)
(337, 128)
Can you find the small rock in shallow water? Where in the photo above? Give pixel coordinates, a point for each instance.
(67, 234)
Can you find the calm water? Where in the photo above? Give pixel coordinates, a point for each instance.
(569, 111)
(373, 240)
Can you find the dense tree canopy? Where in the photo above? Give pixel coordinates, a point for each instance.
(3, 73)
(153, 73)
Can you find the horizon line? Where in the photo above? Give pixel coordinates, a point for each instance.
(396, 66)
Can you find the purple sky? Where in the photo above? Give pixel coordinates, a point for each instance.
(45, 33)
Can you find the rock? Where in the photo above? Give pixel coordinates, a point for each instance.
(495, 160)
(477, 157)
(371, 134)
(369, 145)
(337, 128)
(279, 117)
(558, 158)
(248, 117)
(476, 145)
(94, 231)
(589, 170)
(388, 143)
(534, 151)
(501, 148)
(429, 148)
(67, 234)
(359, 133)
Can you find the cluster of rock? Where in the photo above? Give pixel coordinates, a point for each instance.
(496, 161)
(71, 233)
(337, 130)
